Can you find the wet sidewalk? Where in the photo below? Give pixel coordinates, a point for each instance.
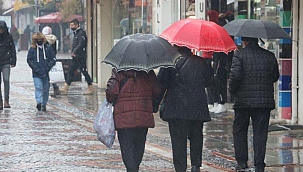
(63, 139)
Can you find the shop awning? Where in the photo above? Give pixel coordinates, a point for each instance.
(20, 5)
(8, 11)
(56, 17)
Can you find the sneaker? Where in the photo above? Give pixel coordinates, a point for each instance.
(43, 108)
(214, 108)
(221, 108)
(39, 106)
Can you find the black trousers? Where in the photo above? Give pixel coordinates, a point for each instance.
(71, 74)
(260, 119)
(132, 144)
(180, 130)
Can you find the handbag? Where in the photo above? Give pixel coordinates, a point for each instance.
(104, 124)
(56, 74)
(162, 104)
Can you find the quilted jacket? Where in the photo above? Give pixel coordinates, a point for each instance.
(253, 72)
(132, 92)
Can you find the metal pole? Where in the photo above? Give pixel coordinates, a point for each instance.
(294, 79)
(37, 14)
(248, 9)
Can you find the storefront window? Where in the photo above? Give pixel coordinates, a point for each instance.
(131, 16)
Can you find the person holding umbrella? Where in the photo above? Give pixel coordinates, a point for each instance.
(253, 72)
(133, 88)
(186, 107)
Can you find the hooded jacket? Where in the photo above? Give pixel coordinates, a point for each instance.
(7, 47)
(40, 58)
(132, 92)
(252, 74)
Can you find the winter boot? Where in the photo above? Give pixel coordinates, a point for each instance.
(56, 91)
(90, 90)
(221, 108)
(65, 88)
(6, 103)
(195, 168)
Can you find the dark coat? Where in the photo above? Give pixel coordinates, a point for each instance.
(185, 94)
(7, 47)
(40, 69)
(79, 46)
(133, 102)
(253, 72)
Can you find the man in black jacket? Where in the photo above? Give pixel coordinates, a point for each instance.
(253, 72)
(7, 61)
(79, 58)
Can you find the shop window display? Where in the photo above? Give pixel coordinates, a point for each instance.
(131, 16)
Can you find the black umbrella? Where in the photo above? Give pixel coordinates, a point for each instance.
(142, 52)
(255, 29)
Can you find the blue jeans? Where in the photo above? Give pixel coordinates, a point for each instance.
(41, 90)
(5, 70)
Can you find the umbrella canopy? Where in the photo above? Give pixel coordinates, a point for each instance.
(256, 29)
(199, 35)
(142, 52)
(56, 17)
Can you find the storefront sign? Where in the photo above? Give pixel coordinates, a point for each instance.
(200, 9)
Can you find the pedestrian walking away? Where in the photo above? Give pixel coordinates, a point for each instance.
(132, 93)
(52, 41)
(79, 56)
(27, 35)
(185, 108)
(41, 58)
(253, 72)
(8, 60)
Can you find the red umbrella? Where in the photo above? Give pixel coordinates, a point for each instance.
(199, 35)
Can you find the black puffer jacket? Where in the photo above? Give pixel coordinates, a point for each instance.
(79, 46)
(186, 97)
(253, 72)
(7, 47)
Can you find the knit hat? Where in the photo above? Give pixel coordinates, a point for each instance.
(47, 30)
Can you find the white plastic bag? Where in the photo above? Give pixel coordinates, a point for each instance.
(56, 74)
(104, 124)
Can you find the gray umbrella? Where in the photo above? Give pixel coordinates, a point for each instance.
(255, 29)
(142, 52)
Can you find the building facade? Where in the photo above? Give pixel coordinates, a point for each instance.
(111, 20)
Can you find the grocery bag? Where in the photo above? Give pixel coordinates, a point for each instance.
(104, 124)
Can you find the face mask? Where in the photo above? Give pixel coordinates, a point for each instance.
(73, 29)
(39, 42)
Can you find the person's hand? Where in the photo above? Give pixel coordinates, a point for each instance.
(73, 55)
(12, 66)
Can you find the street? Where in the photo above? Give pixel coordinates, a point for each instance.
(63, 139)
